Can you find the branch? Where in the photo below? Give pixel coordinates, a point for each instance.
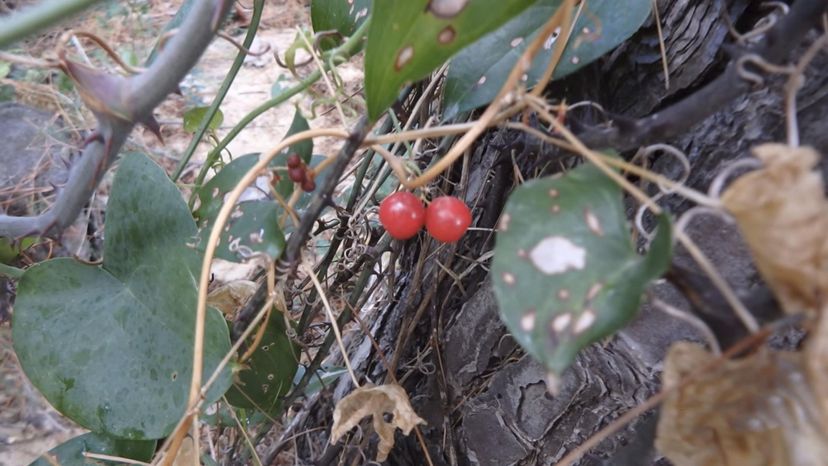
(775, 47)
(35, 18)
(321, 199)
(141, 94)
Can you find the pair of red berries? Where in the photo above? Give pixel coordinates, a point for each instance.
(298, 173)
(403, 215)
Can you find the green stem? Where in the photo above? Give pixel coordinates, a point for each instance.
(11, 272)
(258, 6)
(35, 18)
(346, 50)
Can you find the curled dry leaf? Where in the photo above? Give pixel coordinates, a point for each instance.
(783, 214)
(376, 401)
(230, 297)
(757, 410)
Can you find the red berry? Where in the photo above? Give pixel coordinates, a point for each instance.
(294, 161)
(447, 219)
(297, 174)
(402, 214)
(308, 185)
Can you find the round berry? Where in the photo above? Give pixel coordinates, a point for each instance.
(294, 161)
(297, 174)
(402, 214)
(308, 185)
(447, 219)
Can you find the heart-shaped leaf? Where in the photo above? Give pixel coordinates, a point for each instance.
(269, 371)
(476, 74)
(565, 271)
(407, 39)
(343, 17)
(111, 346)
(70, 453)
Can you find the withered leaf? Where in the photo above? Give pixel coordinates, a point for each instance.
(783, 214)
(756, 410)
(230, 297)
(375, 401)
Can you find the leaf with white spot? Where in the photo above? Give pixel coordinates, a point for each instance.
(268, 374)
(254, 224)
(408, 39)
(476, 74)
(565, 271)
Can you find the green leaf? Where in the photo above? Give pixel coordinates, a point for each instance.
(70, 453)
(111, 346)
(5, 69)
(193, 117)
(477, 73)
(269, 371)
(253, 224)
(338, 15)
(565, 271)
(407, 39)
(324, 376)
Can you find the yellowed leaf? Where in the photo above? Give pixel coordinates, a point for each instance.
(760, 410)
(783, 214)
(375, 401)
(230, 297)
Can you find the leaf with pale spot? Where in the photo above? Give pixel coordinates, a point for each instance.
(254, 224)
(565, 271)
(408, 39)
(268, 374)
(70, 453)
(111, 346)
(476, 74)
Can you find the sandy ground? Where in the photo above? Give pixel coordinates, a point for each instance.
(28, 425)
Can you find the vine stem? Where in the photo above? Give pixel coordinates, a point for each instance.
(195, 396)
(493, 109)
(258, 6)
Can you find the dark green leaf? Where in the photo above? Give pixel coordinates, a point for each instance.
(269, 371)
(111, 346)
(70, 453)
(408, 39)
(341, 16)
(193, 117)
(477, 73)
(565, 271)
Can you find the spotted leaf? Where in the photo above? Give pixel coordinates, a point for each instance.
(342, 16)
(565, 271)
(71, 452)
(111, 346)
(268, 374)
(410, 38)
(476, 74)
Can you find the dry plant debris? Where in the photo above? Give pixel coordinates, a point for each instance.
(376, 401)
(783, 215)
(757, 410)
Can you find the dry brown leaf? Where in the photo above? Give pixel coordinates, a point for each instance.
(783, 214)
(375, 401)
(816, 354)
(230, 297)
(186, 455)
(760, 410)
